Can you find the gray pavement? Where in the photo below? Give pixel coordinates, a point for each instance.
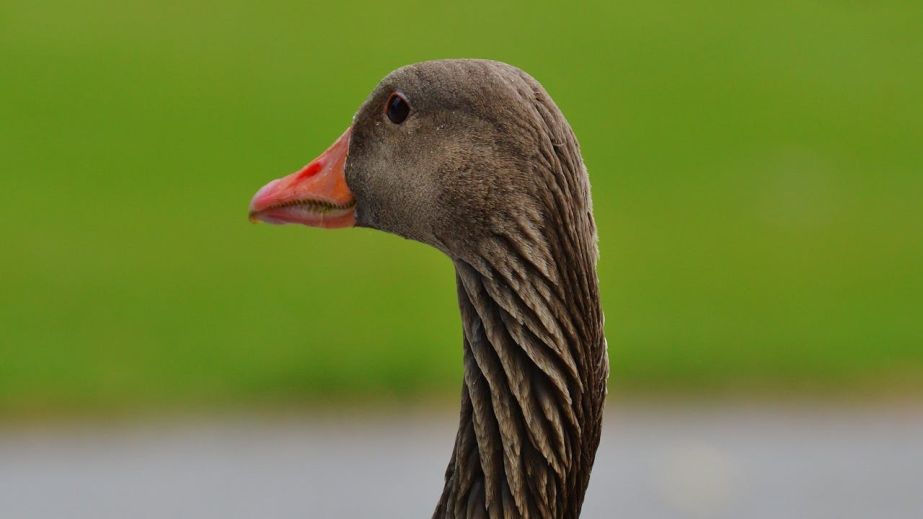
(655, 461)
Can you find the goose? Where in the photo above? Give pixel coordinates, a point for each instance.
(474, 158)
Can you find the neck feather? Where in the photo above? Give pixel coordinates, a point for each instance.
(535, 370)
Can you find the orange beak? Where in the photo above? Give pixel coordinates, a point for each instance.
(317, 195)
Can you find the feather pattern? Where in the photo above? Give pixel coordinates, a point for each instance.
(486, 169)
(534, 349)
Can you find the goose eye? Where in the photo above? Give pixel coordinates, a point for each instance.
(397, 108)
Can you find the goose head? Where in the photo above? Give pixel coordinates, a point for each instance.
(441, 152)
(474, 158)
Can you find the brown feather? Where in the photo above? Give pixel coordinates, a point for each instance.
(487, 169)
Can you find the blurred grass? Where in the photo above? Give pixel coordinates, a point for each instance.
(757, 174)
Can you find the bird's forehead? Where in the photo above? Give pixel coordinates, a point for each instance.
(452, 84)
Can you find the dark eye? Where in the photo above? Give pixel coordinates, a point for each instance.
(397, 108)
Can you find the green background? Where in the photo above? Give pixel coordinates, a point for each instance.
(757, 171)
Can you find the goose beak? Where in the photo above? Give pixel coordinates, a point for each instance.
(316, 195)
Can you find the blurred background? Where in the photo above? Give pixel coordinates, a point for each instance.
(757, 171)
